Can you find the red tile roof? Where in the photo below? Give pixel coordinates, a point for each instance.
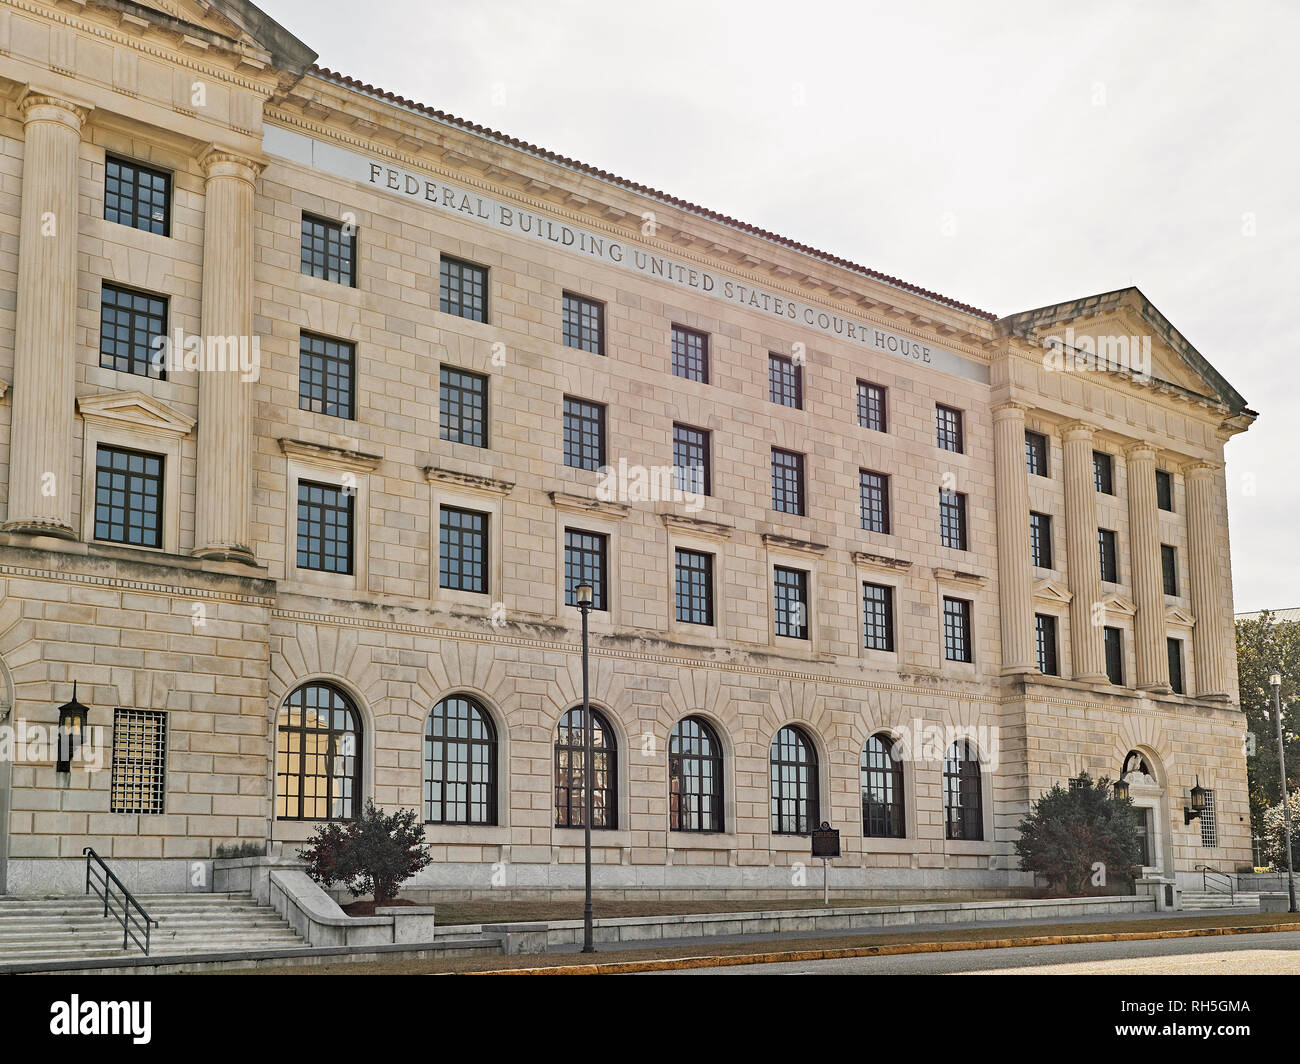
(605, 175)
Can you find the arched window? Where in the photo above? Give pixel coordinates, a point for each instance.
(962, 801)
(882, 790)
(795, 809)
(569, 795)
(694, 777)
(460, 764)
(318, 755)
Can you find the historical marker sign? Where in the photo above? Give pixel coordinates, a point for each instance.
(826, 841)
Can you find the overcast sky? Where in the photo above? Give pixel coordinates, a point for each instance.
(1008, 155)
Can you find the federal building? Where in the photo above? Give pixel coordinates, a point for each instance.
(317, 404)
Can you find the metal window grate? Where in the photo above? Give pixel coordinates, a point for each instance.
(463, 289)
(583, 324)
(585, 562)
(128, 497)
(787, 482)
(1209, 822)
(137, 196)
(1040, 540)
(871, 406)
(324, 528)
(329, 250)
(584, 434)
(694, 591)
(690, 354)
(948, 428)
(785, 381)
(952, 519)
(325, 373)
(139, 779)
(130, 323)
(462, 406)
(873, 490)
(691, 460)
(463, 550)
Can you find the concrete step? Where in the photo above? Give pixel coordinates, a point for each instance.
(1200, 899)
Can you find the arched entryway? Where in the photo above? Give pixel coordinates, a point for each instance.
(1144, 775)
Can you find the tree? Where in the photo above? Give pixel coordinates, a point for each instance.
(1273, 838)
(373, 854)
(1264, 644)
(1069, 831)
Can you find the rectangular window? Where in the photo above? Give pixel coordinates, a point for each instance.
(1106, 555)
(871, 406)
(956, 629)
(1036, 453)
(1169, 568)
(128, 497)
(1103, 472)
(463, 289)
(1045, 634)
(787, 482)
(690, 354)
(948, 429)
(785, 381)
(694, 587)
(586, 562)
(129, 323)
(877, 617)
(691, 460)
(1114, 640)
(329, 250)
(584, 434)
(324, 528)
(1040, 540)
(462, 406)
(1209, 822)
(138, 196)
(463, 550)
(1174, 648)
(1164, 490)
(952, 519)
(791, 602)
(874, 491)
(139, 780)
(325, 375)
(584, 324)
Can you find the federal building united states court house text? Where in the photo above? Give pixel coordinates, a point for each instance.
(311, 395)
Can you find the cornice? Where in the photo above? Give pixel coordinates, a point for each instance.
(803, 546)
(960, 578)
(488, 485)
(696, 525)
(865, 560)
(336, 457)
(562, 500)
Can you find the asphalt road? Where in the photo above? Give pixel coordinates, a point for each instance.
(1269, 954)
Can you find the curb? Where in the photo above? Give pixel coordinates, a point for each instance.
(671, 964)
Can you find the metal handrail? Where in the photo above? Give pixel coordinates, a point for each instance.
(131, 923)
(1207, 871)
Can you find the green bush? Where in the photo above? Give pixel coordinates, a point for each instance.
(373, 854)
(1073, 833)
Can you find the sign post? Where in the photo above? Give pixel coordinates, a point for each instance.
(826, 844)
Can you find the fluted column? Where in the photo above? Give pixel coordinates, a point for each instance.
(1086, 648)
(224, 471)
(1203, 564)
(45, 358)
(1148, 581)
(1015, 573)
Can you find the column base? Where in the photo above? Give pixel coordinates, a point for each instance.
(1155, 688)
(1099, 678)
(1019, 670)
(219, 553)
(37, 527)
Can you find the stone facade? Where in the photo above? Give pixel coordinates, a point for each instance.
(218, 625)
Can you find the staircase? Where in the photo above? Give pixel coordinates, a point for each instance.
(74, 928)
(1213, 899)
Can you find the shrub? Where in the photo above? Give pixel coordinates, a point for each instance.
(373, 854)
(1070, 830)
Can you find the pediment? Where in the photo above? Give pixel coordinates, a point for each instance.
(1052, 591)
(135, 410)
(1119, 604)
(1176, 615)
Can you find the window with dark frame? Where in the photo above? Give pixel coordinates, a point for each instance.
(583, 324)
(463, 289)
(785, 381)
(1045, 638)
(586, 562)
(956, 630)
(690, 354)
(790, 601)
(1209, 821)
(139, 772)
(325, 515)
(326, 370)
(1174, 648)
(460, 763)
(694, 587)
(963, 800)
(329, 250)
(1164, 490)
(138, 196)
(1103, 472)
(1107, 555)
(128, 497)
(318, 755)
(584, 434)
(463, 550)
(952, 519)
(882, 790)
(871, 406)
(1036, 454)
(1169, 568)
(570, 759)
(948, 428)
(795, 806)
(462, 406)
(1040, 540)
(873, 490)
(1113, 639)
(694, 777)
(787, 482)
(691, 464)
(130, 323)
(877, 617)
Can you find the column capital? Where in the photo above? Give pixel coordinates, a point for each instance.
(1010, 409)
(1138, 449)
(1078, 430)
(218, 161)
(1201, 468)
(38, 106)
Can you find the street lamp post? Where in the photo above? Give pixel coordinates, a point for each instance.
(585, 598)
(1275, 682)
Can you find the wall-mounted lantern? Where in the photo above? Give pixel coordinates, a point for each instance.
(1198, 803)
(72, 733)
